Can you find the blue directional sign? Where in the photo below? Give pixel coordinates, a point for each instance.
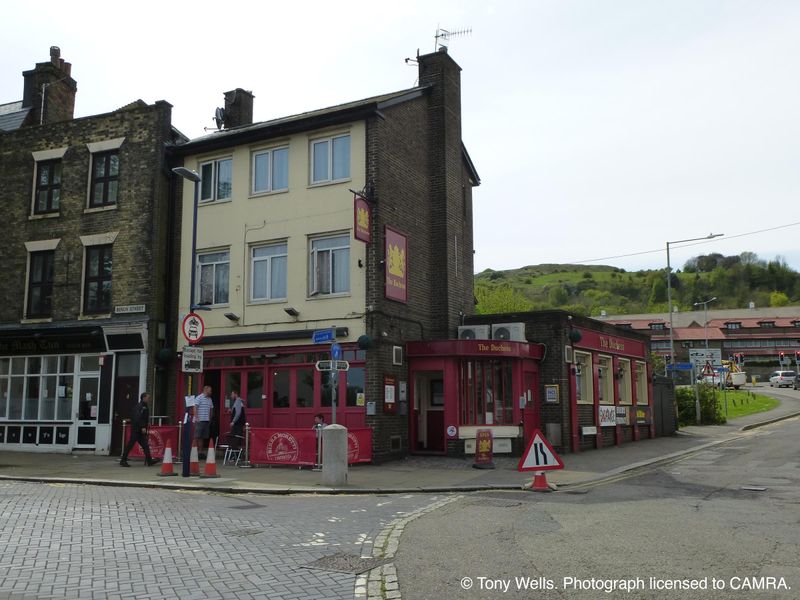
(681, 366)
(336, 351)
(323, 335)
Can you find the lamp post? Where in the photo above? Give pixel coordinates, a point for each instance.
(192, 176)
(669, 295)
(705, 304)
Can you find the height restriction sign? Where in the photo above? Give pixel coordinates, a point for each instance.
(193, 328)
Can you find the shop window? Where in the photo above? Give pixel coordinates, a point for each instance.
(255, 389)
(280, 388)
(355, 385)
(326, 382)
(605, 380)
(624, 378)
(486, 397)
(583, 378)
(641, 383)
(305, 388)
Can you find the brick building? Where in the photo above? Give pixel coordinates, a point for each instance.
(587, 384)
(84, 302)
(356, 217)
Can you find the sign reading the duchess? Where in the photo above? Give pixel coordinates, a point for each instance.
(396, 266)
(362, 219)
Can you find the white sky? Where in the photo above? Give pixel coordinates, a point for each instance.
(598, 128)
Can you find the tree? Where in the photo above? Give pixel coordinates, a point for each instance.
(500, 299)
(777, 299)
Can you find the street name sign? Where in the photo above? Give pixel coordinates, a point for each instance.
(323, 335)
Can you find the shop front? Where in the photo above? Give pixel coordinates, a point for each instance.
(281, 386)
(461, 386)
(65, 389)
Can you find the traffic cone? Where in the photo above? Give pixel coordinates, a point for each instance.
(166, 465)
(211, 462)
(539, 483)
(194, 463)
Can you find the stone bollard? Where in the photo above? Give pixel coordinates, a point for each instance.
(334, 456)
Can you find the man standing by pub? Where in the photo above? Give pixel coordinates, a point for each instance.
(140, 420)
(203, 409)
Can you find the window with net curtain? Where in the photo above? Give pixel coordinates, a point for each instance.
(213, 277)
(269, 272)
(330, 265)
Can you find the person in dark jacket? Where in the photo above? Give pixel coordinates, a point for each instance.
(140, 419)
(237, 414)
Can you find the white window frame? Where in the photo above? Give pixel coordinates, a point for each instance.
(584, 377)
(605, 379)
(624, 387)
(268, 259)
(641, 384)
(329, 140)
(314, 262)
(215, 197)
(270, 153)
(199, 267)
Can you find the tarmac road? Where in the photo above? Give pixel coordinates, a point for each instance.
(693, 520)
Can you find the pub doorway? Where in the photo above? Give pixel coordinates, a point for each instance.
(429, 395)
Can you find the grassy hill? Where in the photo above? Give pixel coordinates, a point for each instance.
(587, 290)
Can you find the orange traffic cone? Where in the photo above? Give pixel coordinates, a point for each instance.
(194, 463)
(539, 483)
(211, 462)
(166, 466)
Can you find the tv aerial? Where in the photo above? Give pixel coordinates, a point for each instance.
(219, 117)
(443, 36)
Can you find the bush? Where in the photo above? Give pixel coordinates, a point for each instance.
(711, 408)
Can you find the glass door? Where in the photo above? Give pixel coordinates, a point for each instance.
(85, 402)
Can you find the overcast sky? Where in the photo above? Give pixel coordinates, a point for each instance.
(599, 129)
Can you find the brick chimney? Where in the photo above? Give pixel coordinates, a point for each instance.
(54, 81)
(238, 108)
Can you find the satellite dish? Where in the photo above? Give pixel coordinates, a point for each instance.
(219, 117)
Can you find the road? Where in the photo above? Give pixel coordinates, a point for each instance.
(80, 541)
(715, 517)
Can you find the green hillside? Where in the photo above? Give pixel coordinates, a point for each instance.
(734, 280)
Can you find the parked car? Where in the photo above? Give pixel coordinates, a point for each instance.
(783, 379)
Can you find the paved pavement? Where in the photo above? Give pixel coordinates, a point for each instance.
(413, 475)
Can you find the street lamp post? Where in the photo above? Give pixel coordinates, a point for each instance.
(192, 176)
(669, 296)
(705, 304)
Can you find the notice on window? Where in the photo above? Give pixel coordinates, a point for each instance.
(360, 399)
(93, 411)
(62, 391)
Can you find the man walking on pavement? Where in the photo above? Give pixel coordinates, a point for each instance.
(203, 409)
(140, 420)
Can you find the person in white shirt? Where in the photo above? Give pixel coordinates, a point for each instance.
(203, 411)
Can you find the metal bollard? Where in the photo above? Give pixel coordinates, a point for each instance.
(124, 427)
(246, 464)
(178, 449)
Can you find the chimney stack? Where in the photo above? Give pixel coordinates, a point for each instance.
(238, 108)
(49, 90)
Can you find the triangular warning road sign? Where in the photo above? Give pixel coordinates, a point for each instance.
(540, 455)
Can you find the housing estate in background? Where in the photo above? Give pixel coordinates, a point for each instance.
(766, 338)
(84, 300)
(285, 247)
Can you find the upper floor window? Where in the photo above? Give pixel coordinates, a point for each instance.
(213, 268)
(48, 187)
(40, 284)
(583, 378)
(766, 324)
(217, 180)
(330, 265)
(269, 272)
(105, 179)
(97, 281)
(330, 159)
(270, 170)
(733, 325)
(656, 326)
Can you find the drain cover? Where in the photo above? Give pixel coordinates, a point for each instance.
(497, 502)
(345, 563)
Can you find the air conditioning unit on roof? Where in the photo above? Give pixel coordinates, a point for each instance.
(474, 332)
(514, 332)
